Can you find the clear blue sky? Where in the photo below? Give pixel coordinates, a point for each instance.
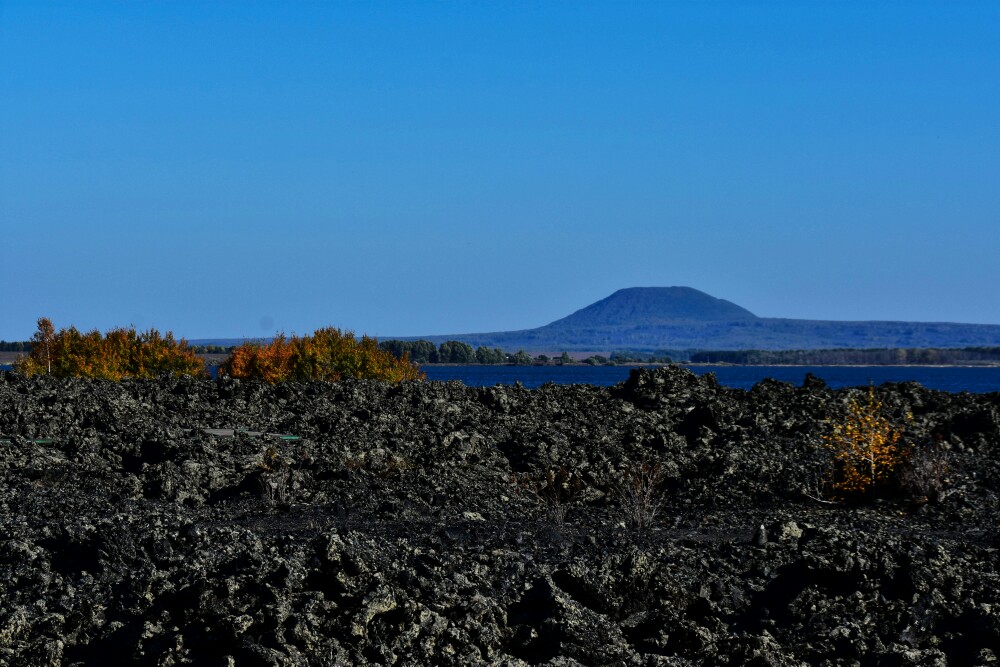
(406, 168)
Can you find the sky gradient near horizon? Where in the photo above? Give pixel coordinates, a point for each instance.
(410, 168)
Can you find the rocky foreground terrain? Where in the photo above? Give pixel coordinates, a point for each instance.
(162, 523)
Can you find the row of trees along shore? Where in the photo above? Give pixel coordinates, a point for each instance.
(328, 354)
(855, 357)
(457, 352)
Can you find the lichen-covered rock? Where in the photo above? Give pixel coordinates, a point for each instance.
(167, 523)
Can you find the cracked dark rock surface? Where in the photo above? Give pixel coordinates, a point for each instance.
(403, 525)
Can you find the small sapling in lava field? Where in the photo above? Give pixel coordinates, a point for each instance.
(554, 490)
(640, 492)
(866, 447)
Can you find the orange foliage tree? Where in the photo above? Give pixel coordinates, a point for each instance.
(120, 353)
(865, 447)
(328, 355)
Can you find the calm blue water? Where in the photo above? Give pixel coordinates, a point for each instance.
(976, 380)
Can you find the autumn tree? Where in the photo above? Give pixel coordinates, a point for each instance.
(396, 347)
(866, 446)
(42, 340)
(118, 354)
(328, 355)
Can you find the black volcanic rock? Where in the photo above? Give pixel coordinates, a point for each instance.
(435, 524)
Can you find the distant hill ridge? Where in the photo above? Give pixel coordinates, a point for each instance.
(635, 306)
(658, 319)
(655, 319)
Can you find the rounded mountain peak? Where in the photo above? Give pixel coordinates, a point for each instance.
(652, 305)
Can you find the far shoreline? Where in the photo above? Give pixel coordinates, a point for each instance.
(8, 358)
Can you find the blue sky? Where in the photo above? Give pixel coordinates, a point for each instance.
(406, 168)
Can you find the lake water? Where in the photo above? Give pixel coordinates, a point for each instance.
(954, 379)
(973, 379)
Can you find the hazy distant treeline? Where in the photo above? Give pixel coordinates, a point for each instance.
(212, 349)
(872, 357)
(25, 346)
(449, 352)
(457, 352)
